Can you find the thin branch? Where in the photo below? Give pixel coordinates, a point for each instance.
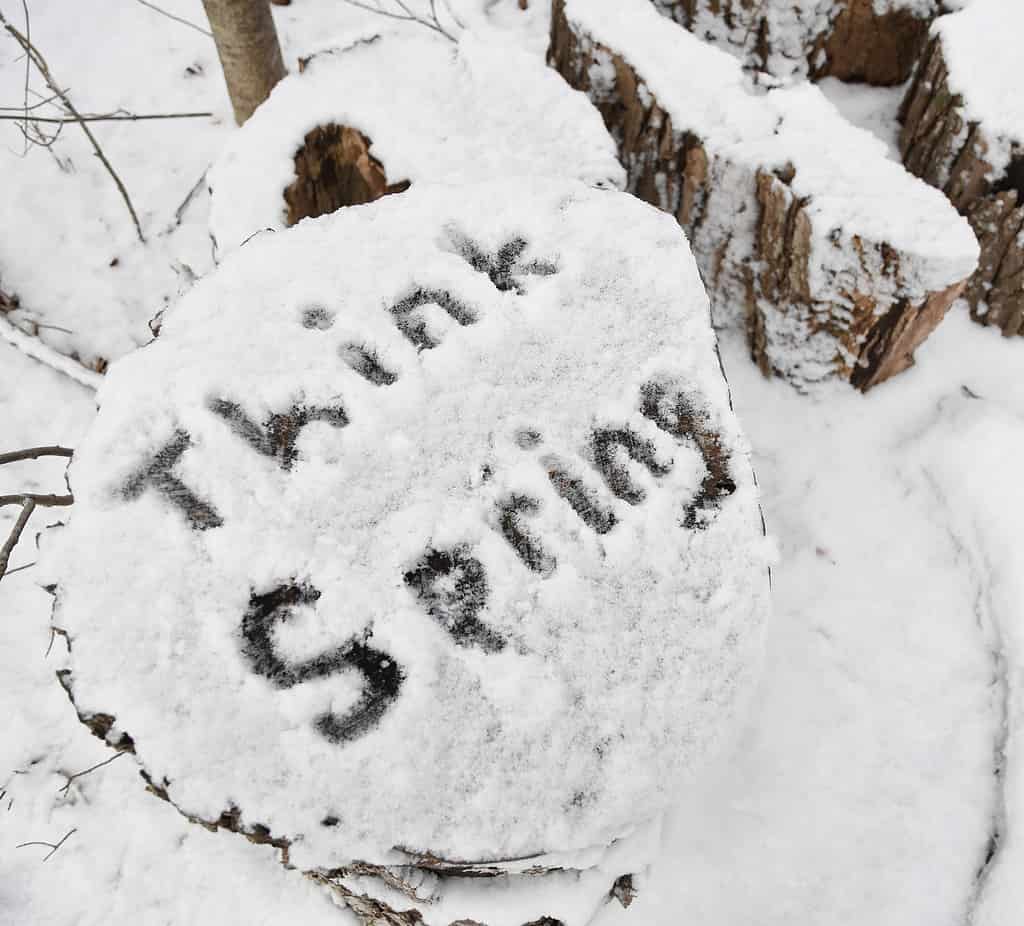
(26, 107)
(10, 572)
(28, 72)
(53, 847)
(42, 353)
(406, 15)
(455, 19)
(71, 778)
(179, 213)
(37, 501)
(178, 19)
(33, 453)
(110, 117)
(44, 69)
(15, 536)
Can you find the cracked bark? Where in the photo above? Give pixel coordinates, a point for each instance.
(942, 147)
(859, 43)
(672, 168)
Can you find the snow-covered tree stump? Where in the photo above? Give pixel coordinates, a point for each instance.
(853, 40)
(423, 545)
(875, 41)
(963, 131)
(392, 110)
(839, 260)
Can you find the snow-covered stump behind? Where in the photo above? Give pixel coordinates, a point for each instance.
(840, 262)
(368, 119)
(963, 131)
(874, 41)
(435, 563)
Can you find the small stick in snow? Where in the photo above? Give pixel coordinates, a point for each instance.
(29, 501)
(179, 19)
(76, 775)
(15, 535)
(33, 453)
(39, 501)
(52, 846)
(107, 117)
(39, 61)
(46, 355)
(407, 15)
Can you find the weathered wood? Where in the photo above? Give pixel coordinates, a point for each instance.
(942, 146)
(334, 168)
(873, 319)
(866, 45)
(847, 39)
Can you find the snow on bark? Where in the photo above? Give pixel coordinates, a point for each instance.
(963, 131)
(841, 262)
(368, 119)
(875, 41)
(481, 614)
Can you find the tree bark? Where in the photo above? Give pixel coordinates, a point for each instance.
(249, 51)
(944, 148)
(856, 42)
(873, 325)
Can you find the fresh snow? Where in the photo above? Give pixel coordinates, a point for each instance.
(434, 112)
(596, 667)
(853, 183)
(981, 47)
(857, 198)
(792, 28)
(862, 790)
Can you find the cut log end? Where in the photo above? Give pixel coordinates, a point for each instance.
(333, 169)
(877, 48)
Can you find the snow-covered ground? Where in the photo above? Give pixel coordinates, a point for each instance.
(881, 767)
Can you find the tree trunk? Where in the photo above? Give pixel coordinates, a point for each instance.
(248, 49)
(857, 315)
(944, 148)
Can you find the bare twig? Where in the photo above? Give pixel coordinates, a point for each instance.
(178, 19)
(179, 213)
(52, 846)
(15, 535)
(406, 15)
(38, 501)
(10, 572)
(28, 71)
(33, 453)
(71, 778)
(46, 355)
(41, 65)
(26, 108)
(29, 501)
(107, 117)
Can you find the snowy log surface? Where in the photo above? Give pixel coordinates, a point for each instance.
(875, 41)
(963, 131)
(841, 261)
(479, 569)
(429, 112)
